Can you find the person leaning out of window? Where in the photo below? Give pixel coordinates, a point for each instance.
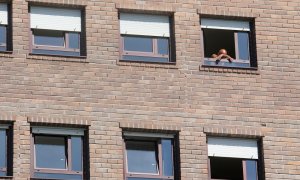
(222, 54)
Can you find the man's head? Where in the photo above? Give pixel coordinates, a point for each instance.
(222, 51)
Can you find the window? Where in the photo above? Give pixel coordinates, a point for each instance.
(56, 31)
(146, 38)
(5, 150)
(4, 28)
(149, 156)
(234, 36)
(233, 158)
(58, 153)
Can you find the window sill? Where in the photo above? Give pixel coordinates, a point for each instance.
(6, 54)
(165, 65)
(49, 57)
(225, 69)
(6, 177)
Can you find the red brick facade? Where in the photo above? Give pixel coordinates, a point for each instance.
(107, 95)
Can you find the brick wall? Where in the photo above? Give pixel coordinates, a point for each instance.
(107, 94)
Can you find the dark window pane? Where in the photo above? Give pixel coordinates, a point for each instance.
(167, 156)
(50, 152)
(163, 46)
(58, 176)
(142, 157)
(74, 40)
(215, 39)
(142, 44)
(76, 153)
(2, 34)
(243, 42)
(3, 147)
(251, 170)
(145, 59)
(226, 168)
(49, 38)
(51, 52)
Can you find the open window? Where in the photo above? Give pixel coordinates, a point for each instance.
(5, 28)
(5, 150)
(57, 153)
(234, 36)
(233, 159)
(146, 38)
(56, 31)
(149, 156)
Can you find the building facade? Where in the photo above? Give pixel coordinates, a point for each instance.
(131, 89)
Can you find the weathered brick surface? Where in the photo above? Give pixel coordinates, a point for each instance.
(104, 92)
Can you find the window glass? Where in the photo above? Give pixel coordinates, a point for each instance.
(3, 147)
(53, 52)
(144, 58)
(142, 157)
(134, 178)
(226, 168)
(142, 44)
(2, 34)
(163, 46)
(74, 40)
(58, 176)
(49, 38)
(251, 170)
(50, 152)
(243, 44)
(167, 157)
(76, 153)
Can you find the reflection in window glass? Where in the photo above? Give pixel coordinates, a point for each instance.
(58, 176)
(145, 59)
(53, 52)
(50, 152)
(163, 46)
(167, 157)
(2, 34)
(74, 40)
(142, 44)
(134, 178)
(49, 38)
(3, 146)
(251, 170)
(142, 157)
(243, 43)
(76, 153)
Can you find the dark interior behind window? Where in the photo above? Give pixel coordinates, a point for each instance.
(215, 39)
(226, 168)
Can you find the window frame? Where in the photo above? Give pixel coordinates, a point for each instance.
(68, 144)
(5, 34)
(251, 45)
(66, 49)
(171, 44)
(157, 140)
(8, 31)
(8, 170)
(259, 162)
(244, 166)
(154, 52)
